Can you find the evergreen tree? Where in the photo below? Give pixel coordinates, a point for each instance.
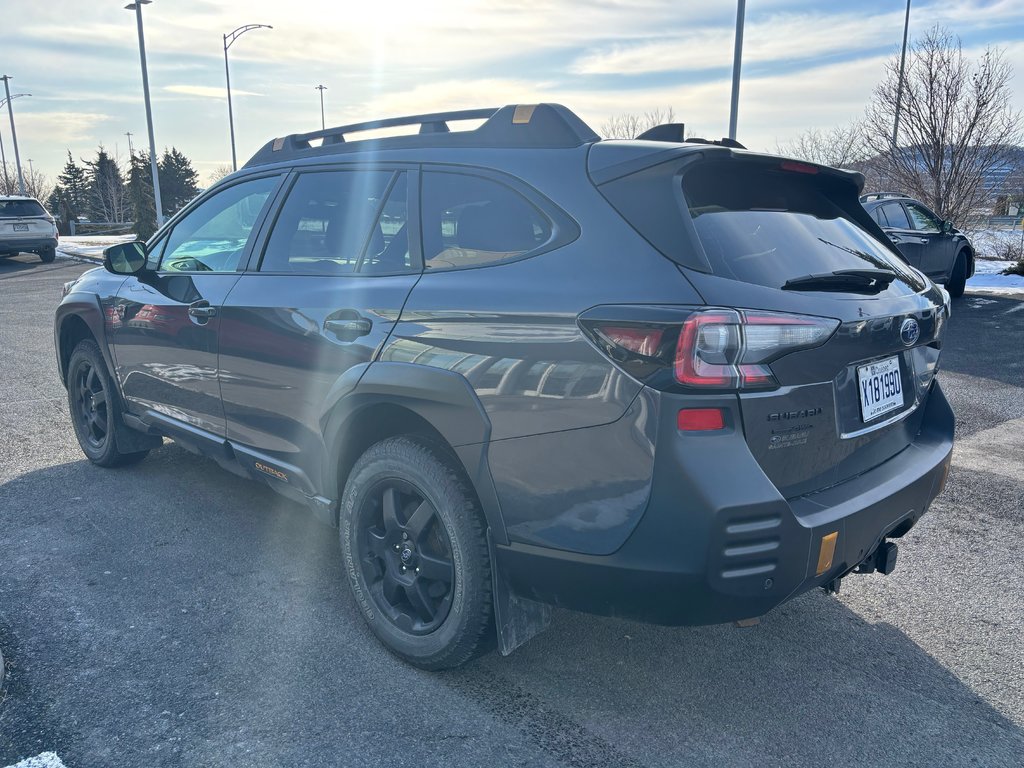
(140, 195)
(106, 195)
(70, 197)
(177, 181)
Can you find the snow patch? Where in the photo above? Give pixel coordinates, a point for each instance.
(44, 760)
(988, 278)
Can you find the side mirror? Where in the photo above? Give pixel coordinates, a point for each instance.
(945, 226)
(125, 258)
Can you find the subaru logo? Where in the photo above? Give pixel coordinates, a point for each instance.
(910, 331)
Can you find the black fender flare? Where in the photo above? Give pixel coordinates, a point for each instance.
(442, 398)
(86, 307)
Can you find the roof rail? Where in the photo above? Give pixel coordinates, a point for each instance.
(513, 126)
(676, 132)
(880, 196)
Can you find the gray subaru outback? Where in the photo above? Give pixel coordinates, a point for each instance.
(518, 366)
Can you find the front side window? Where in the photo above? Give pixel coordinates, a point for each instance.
(469, 221)
(923, 221)
(213, 236)
(330, 220)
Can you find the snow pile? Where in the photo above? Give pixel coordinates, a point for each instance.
(91, 246)
(988, 278)
(996, 243)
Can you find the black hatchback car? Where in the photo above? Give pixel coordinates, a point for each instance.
(928, 243)
(520, 366)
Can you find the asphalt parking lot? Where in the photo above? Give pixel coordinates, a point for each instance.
(173, 614)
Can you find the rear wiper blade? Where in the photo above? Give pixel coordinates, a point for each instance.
(868, 280)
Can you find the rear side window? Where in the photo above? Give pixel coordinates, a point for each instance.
(470, 221)
(879, 216)
(766, 226)
(12, 209)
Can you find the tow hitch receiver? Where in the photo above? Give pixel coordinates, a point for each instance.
(883, 561)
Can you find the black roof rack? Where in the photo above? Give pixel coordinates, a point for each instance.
(513, 126)
(880, 196)
(676, 132)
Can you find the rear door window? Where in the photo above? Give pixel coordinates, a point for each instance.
(765, 226)
(471, 221)
(326, 223)
(879, 216)
(897, 216)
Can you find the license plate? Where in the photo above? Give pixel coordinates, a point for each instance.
(21, 227)
(881, 388)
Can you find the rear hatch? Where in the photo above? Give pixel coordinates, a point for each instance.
(778, 241)
(24, 219)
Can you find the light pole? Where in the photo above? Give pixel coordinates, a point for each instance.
(899, 85)
(228, 40)
(3, 157)
(322, 88)
(737, 58)
(137, 7)
(14, 134)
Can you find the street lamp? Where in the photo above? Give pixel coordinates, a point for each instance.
(3, 157)
(322, 88)
(899, 84)
(137, 7)
(14, 134)
(228, 40)
(737, 58)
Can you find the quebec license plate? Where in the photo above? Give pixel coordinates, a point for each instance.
(21, 227)
(881, 388)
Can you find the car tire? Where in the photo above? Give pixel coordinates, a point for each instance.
(95, 409)
(958, 279)
(48, 255)
(407, 505)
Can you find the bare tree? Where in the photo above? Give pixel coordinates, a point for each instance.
(840, 147)
(37, 185)
(217, 174)
(956, 124)
(630, 125)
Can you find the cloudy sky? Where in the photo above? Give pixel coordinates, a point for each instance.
(806, 64)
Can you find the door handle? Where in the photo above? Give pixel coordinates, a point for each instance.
(357, 326)
(201, 310)
(895, 238)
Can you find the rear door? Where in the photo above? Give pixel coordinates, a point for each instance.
(339, 261)
(166, 322)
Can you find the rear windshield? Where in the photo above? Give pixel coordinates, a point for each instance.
(10, 209)
(766, 226)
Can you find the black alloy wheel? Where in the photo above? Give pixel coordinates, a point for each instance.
(414, 542)
(94, 408)
(406, 557)
(91, 410)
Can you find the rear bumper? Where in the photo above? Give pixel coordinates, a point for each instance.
(26, 245)
(718, 543)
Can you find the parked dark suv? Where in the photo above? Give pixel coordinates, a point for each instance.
(520, 366)
(928, 243)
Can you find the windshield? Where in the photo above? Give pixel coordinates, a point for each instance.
(12, 209)
(768, 226)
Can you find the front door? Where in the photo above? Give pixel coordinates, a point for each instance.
(937, 247)
(902, 233)
(321, 298)
(166, 322)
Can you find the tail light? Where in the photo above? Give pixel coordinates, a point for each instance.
(707, 349)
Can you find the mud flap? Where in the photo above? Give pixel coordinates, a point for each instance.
(517, 619)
